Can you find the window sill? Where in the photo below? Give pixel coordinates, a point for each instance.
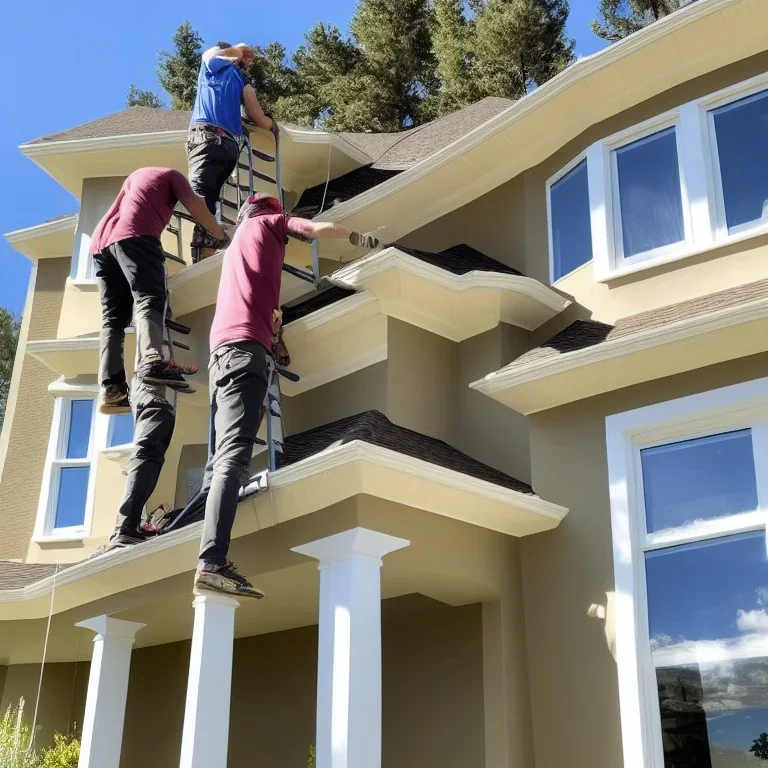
(686, 253)
(85, 285)
(60, 538)
(120, 454)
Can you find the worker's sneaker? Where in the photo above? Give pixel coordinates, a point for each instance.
(226, 579)
(166, 374)
(113, 399)
(119, 541)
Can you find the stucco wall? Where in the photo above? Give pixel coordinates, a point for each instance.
(572, 671)
(31, 418)
(432, 693)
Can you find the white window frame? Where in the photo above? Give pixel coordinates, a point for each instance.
(45, 532)
(724, 98)
(551, 181)
(700, 186)
(731, 408)
(639, 133)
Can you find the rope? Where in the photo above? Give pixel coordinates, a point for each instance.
(42, 664)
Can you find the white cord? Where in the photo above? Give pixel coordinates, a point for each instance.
(42, 664)
(327, 180)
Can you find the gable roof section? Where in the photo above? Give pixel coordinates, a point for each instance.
(582, 334)
(376, 429)
(460, 259)
(126, 122)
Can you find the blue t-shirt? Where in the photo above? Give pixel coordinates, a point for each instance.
(219, 93)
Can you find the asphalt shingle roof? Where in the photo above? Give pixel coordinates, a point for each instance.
(17, 575)
(375, 428)
(582, 334)
(460, 259)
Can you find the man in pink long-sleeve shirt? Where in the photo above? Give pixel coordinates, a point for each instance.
(241, 343)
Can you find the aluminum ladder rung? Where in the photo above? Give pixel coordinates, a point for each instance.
(262, 155)
(175, 258)
(263, 177)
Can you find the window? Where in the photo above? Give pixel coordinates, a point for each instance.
(740, 131)
(682, 183)
(648, 194)
(120, 430)
(570, 236)
(689, 527)
(70, 465)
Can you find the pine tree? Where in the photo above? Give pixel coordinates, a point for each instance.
(178, 71)
(136, 97)
(9, 338)
(398, 73)
(453, 46)
(271, 76)
(321, 65)
(619, 18)
(521, 44)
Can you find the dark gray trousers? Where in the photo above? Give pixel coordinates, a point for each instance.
(211, 159)
(131, 277)
(154, 420)
(238, 376)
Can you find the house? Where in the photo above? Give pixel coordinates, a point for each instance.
(521, 519)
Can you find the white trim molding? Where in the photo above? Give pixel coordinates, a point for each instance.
(709, 413)
(64, 224)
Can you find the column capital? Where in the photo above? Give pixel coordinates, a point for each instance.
(106, 626)
(361, 541)
(211, 598)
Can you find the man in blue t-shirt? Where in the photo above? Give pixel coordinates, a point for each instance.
(216, 126)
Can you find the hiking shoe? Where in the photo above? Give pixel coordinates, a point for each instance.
(225, 579)
(119, 541)
(166, 373)
(113, 399)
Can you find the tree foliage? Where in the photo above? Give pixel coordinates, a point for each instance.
(136, 97)
(9, 338)
(521, 44)
(404, 62)
(759, 747)
(619, 18)
(178, 71)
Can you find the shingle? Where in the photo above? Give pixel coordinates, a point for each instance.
(582, 334)
(133, 120)
(340, 189)
(375, 428)
(460, 259)
(304, 306)
(16, 575)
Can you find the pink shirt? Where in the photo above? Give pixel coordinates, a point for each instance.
(249, 289)
(143, 207)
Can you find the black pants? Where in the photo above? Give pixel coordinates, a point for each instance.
(154, 420)
(212, 158)
(239, 375)
(131, 276)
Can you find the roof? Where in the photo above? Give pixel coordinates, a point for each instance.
(394, 153)
(314, 301)
(460, 259)
(588, 333)
(17, 575)
(340, 189)
(375, 428)
(130, 121)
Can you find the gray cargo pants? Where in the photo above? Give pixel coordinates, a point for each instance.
(154, 420)
(238, 379)
(131, 277)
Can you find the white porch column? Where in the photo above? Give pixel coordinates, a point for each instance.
(104, 716)
(349, 650)
(205, 738)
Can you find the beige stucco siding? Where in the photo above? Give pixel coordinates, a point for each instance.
(572, 671)
(30, 423)
(432, 680)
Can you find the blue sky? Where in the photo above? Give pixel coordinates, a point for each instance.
(72, 66)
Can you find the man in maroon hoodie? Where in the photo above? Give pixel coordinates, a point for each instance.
(130, 269)
(240, 365)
